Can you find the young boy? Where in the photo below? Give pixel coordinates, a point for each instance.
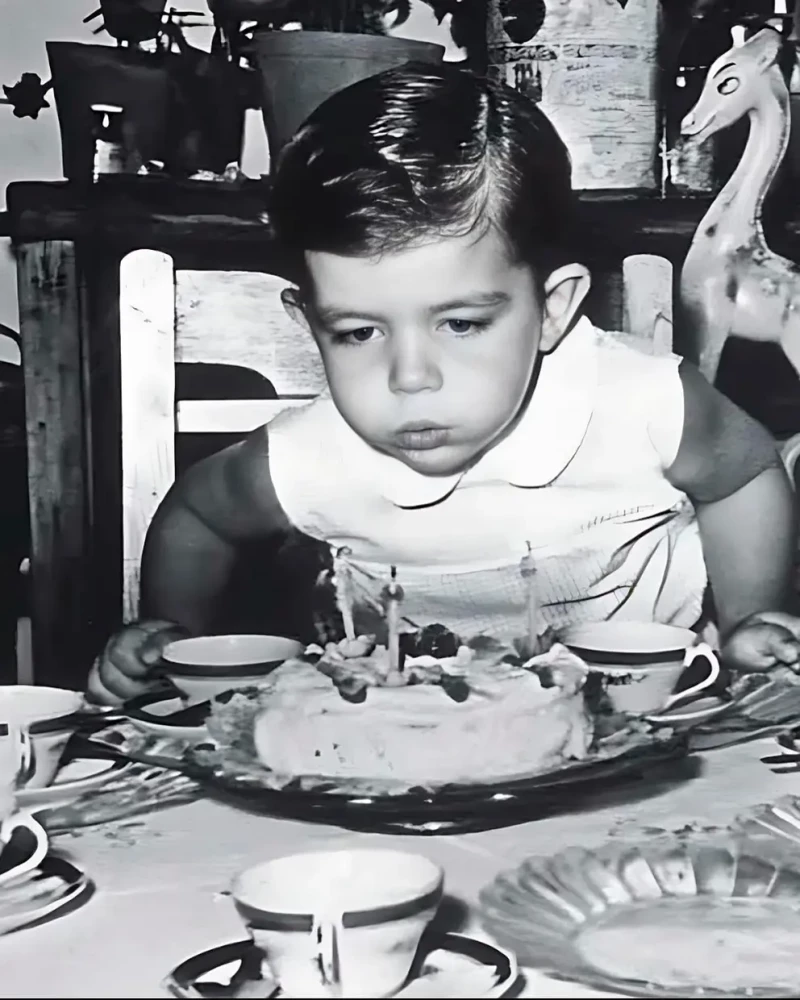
(471, 411)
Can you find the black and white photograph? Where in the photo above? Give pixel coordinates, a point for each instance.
(399, 536)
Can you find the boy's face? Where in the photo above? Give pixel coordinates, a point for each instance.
(429, 351)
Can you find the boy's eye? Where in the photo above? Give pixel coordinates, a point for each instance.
(462, 326)
(362, 335)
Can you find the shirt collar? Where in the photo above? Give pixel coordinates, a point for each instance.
(540, 446)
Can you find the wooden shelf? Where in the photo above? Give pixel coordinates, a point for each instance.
(125, 213)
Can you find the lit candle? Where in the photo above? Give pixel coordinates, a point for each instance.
(392, 598)
(343, 583)
(527, 569)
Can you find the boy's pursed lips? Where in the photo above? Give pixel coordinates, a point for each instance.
(421, 435)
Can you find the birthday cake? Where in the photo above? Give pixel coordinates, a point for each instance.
(474, 712)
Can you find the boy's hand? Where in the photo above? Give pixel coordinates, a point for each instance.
(122, 670)
(763, 641)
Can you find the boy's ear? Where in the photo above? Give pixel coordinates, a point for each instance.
(295, 308)
(564, 292)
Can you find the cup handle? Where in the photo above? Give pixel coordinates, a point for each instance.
(21, 766)
(326, 942)
(701, 649)
(7, 828)
(26, 756)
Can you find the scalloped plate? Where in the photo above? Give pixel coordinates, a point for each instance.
(673, 916)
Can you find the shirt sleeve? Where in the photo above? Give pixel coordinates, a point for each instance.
(720, 449)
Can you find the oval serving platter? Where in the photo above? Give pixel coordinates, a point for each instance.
(448, 809)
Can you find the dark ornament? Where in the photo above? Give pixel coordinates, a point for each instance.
(27, 96)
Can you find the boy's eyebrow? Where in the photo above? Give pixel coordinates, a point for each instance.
(331, 314)
(479, 299)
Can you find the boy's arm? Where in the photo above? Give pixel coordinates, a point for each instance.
(219, 505)
(729, 467)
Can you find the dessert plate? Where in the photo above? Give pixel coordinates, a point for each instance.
(448, 965)
(672, 916)
(75, 779)
(127, 779)
(53, 887)
(374, 807)
(760, 705)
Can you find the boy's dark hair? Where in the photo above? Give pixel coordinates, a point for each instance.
(418, 153)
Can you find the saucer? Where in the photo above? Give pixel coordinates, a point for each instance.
(450, 966)
(692, 712)
(166, 714)
(73, 780)
(52, 887)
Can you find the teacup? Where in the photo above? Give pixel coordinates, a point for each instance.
(641, 662)
(340, 923)
(207, 665)
(48, 715)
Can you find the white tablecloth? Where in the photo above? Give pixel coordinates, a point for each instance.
(161, 879)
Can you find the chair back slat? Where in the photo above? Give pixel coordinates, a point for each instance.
(647, 292)
(147, 377)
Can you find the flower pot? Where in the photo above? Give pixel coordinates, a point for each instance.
(136, 81)
(247, 10)
(301, 69)
(183, 108)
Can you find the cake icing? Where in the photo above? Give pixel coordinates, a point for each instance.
(476, 716)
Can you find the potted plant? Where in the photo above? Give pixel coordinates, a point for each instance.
(182, 106)
(129, 21)
(339, 43)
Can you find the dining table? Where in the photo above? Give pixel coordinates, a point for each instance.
(162, 879)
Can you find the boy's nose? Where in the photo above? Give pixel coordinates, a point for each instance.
(414, 369)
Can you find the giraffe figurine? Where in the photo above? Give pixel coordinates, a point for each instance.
(732, 284)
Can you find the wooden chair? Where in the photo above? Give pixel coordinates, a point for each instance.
(169, 316)
(212, 317)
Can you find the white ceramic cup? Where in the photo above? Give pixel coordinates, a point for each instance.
(340, 923)
(48, 715)
(205, 666)
(16, 758)
(641, 662)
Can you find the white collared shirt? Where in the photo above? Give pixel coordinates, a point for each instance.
(580, 477)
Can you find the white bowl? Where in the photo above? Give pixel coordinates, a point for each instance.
(49, 715)
(208, 665)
